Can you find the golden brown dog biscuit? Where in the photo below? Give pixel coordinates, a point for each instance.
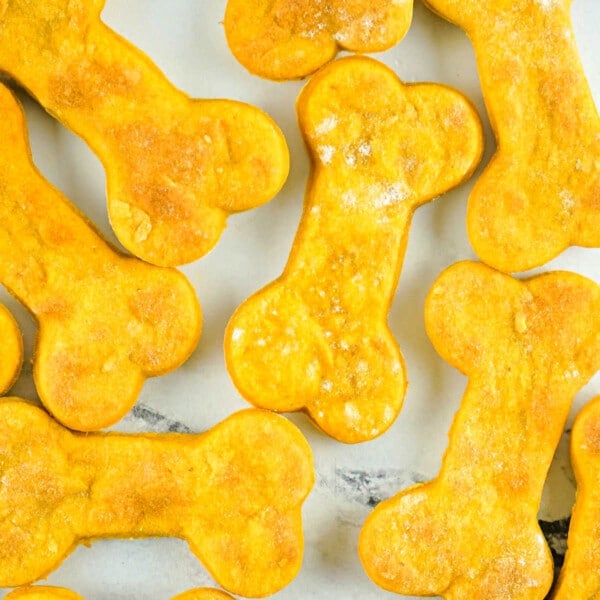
(40, 592)
(106, 321)
(176, 167)
(541, 192)
(317, 338)
(527, 347)
(234, 493)
(289, 39)
(58, 593)
(11, 349)
(580, 574)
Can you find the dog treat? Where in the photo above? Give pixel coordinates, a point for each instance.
(58, 593)
(541, 192)
(317, 338)
(527, 348)
(176, 167)
(289, 39)
(580, 574)
(203, 594)
(234, 493)
(11, 349)
(106, 321)
(40, 592)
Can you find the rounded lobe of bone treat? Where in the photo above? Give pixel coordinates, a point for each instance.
(106, 322)
(316, 339)
(234, 493)
(541, 191)
(290, 39)
(176, 167)
(11, 349)
(203, 594)
(527, 348)
(579, 576)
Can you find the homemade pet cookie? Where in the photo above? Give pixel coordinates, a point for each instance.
(527, 348)
(580, 574)
(176, 167)
(11, 349)
(317, 338)
(234, 493)
(289, 39)
(40, 592)
(541, 192)
(106, 322)
(57, 593)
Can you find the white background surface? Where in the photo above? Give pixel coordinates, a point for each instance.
(185, 38)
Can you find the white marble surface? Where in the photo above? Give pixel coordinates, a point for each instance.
(185, 38)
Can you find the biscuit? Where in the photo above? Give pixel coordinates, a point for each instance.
(234, 493)
(40, 592)
(11, 349)
(580, 574)
(541, 191)
(317, 339)
(57, 593)
(527, 348)
(106, 322)
(290, 39)
(176, 167)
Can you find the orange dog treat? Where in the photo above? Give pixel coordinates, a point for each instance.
(42, 593)
(203, 594)
(527, 348)
(289, 39)
(234, 493)
(56, 593)
(176, 167)
(106, 322)
(317, 338)
(580, 574)
(540, 194)
(11, 349)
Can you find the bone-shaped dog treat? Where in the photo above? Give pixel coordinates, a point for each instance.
(527, 347)
(541, 192)
(175, 166)
(11, 349)
(106, 321)
(289, 39)
(317, 338)
(234, 493)
(59, 593)
(580, 574)
(40, 592)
